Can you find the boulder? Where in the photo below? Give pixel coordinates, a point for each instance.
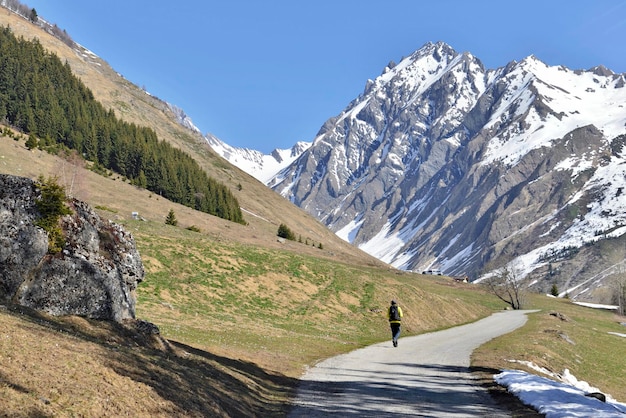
(95, 275)
(598, 395)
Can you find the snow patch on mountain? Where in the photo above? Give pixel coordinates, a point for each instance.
(182, 118)
(441, 163)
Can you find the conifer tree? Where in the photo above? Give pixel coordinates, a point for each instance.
(554, 291)
(31, 142)
(51, 206)
(285, 232)
(33, 15)
(171, 218)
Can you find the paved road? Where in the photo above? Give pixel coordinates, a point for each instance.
(425, 376)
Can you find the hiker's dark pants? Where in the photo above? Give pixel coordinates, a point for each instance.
(395, 331)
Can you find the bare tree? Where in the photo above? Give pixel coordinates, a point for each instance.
(619, 290)
(622, 295)
(508, 287)
(71, 171)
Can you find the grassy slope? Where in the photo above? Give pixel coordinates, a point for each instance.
(563, 336)
(244, 314)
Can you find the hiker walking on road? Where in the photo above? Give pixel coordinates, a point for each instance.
(394, 313)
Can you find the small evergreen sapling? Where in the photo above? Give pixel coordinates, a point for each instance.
(554, 291)
(171, 218)
(51, 206)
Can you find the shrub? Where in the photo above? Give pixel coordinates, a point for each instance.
(554, 291)
(31, 142)
(285, 232)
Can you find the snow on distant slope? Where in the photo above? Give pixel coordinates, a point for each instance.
(442, 163)
(261, 166)
(182, 118)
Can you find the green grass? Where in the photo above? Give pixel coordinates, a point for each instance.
(244, 311)
(581, 343)
(231, 296)
(297, 308)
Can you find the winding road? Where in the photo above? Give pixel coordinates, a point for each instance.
(425, 376)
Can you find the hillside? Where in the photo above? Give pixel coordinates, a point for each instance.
(263, 210)
(241, 314)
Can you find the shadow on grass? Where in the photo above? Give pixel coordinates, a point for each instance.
(204, 384)
(192, 382)
(4, 380)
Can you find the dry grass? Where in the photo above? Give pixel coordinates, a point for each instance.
(74, 367)
(239, 358)
(278, 308)
(263, 209)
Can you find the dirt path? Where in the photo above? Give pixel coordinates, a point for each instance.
(426, 376)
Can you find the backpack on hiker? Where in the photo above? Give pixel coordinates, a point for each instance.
(394, 315)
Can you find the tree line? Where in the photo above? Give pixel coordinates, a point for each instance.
(41, 97)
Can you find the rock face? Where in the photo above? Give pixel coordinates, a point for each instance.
(95, 275)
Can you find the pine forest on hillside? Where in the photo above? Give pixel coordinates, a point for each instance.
(41, 97)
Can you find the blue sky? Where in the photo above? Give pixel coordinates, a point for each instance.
(266, 74)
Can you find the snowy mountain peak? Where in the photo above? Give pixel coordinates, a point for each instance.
(550, 102)
(437, 50)
(441, 163)
(601, 70)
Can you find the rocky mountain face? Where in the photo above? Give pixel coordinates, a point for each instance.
(95, 275)
(442, 163)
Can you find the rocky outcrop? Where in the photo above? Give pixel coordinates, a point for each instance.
(95, 275)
